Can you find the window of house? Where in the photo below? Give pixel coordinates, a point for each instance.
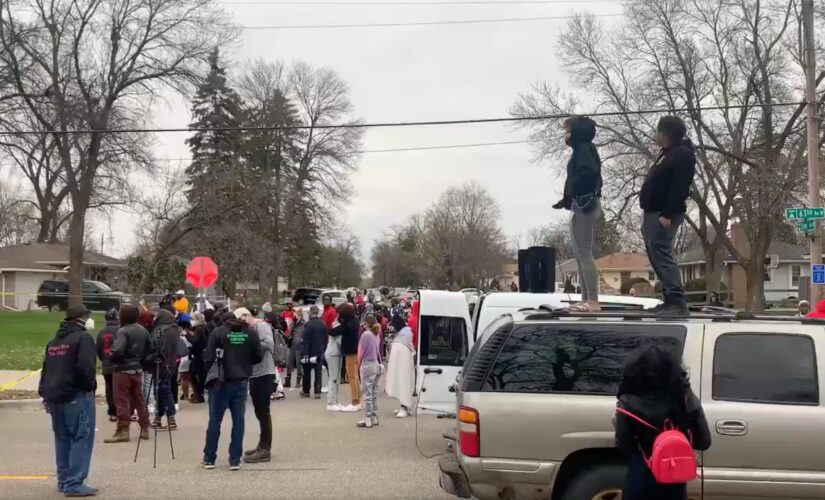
(651, 276)
(625, 275)
(778, 369)
(796, 272)
(768, 274)
(587, 359)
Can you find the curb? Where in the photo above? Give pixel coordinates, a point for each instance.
(21, 404)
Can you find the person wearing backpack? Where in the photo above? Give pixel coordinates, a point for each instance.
(659, 422)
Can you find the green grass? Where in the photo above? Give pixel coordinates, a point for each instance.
(24, 335)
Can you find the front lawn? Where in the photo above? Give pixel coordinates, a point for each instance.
(23, 337)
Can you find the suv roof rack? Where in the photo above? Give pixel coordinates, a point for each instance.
(549, 312)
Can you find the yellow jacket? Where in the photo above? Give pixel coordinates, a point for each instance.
(181, 305)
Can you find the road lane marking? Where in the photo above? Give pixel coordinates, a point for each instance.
(9, 385)
(29, 477)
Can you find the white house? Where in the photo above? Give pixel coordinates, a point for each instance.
(24, 267)
(786, 264)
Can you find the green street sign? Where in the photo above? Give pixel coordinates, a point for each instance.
(805, 213)
(806, 226)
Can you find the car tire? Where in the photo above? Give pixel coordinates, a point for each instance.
(599, 482)
(55, 307)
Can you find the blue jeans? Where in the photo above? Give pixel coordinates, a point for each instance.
(232, 396)
(166, 405)
(74, 437)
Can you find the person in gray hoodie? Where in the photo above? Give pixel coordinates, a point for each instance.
(262, 384)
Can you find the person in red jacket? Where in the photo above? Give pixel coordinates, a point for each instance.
(329, 314)
(289, 314)
(413, 322)
(820, 311)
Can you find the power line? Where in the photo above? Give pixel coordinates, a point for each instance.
(429, 123)
(422, 23)
(419, 4)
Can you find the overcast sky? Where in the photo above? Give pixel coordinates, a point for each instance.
(414, 73)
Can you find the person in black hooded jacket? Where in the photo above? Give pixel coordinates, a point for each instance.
(655, 388)
(105, 339)
(582, 196)
(169, 347)
(662, 198)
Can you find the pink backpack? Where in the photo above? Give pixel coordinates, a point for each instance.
(672, 460)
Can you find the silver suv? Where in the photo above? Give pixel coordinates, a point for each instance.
(536, 404)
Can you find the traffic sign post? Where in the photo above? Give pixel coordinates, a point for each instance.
(806, 226)
(818, 274)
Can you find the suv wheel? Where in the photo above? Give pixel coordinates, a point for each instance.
(601, 482)
(55, 307)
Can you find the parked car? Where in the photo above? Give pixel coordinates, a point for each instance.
(97, 296)
(306, 296)
(555, 379)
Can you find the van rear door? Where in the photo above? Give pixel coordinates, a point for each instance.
(443, 342)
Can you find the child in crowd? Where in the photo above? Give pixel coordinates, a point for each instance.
(369, 362)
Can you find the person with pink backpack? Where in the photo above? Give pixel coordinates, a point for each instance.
(659, 422)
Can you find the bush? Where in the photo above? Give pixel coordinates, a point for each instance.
(627, 285)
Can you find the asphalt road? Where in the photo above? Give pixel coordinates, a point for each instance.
(317, 454)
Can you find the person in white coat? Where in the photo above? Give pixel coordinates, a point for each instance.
(401, 367)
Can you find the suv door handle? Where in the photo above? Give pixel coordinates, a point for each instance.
(437, 371)
(731, 427)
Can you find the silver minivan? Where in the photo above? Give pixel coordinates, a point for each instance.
(536, 401)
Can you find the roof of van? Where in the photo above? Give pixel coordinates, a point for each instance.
(516, 299)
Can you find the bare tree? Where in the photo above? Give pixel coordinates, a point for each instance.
(734, 67)
(84, 67)
(17, 217)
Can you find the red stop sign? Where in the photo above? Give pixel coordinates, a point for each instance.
(202, 272)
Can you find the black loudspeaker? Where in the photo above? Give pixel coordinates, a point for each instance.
(537, 270)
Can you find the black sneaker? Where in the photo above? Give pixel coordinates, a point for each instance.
(208, 465)
(258, 457)
(674, 311)
(251, 452)
(303, 394)
(235, 466)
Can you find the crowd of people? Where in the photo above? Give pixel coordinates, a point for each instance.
(154, 359)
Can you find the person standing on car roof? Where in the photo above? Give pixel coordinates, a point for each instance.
(582, 196)
(67, 386)
(655, 389)
(662, 198)
(105, 339)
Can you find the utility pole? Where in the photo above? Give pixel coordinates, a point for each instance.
(813, 138)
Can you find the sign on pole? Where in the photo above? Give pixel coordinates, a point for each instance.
(818, 274)
(805, 213)
(806, 226)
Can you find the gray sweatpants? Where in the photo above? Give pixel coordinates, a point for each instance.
(659, 246)
(583, 236)
(334, 365)
(370, 372)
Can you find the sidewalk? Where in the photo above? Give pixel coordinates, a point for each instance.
(27, 380)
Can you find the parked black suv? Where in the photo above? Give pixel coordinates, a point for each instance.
(54, 295)
(306, 296)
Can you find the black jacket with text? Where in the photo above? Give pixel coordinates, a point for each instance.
(69, 365)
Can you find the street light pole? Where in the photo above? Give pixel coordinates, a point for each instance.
(813, 138)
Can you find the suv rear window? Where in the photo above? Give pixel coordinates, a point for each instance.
(776, 368)
(585, 359)
(442, 341)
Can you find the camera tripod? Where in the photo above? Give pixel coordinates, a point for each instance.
(153, 386)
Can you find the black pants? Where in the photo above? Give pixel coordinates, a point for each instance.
(260, 389)
(196, 377)
(640, 484)
(308, 369)
(110, 395)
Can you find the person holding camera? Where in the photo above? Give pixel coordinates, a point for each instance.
(67, 386)
(229, 356)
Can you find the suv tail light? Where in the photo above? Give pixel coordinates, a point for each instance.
(469, 436)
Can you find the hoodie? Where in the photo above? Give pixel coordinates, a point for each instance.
(239, 348)
(267, 338)
(668, 182)
(169, 345)
(413, 322)
(819, 312)
(69, 364)
(584, 169)
(105, 339)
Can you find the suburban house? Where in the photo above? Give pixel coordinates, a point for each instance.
(614, 270)
(24, 267)
(786, 265)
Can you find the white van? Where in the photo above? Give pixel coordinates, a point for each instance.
(446, 333)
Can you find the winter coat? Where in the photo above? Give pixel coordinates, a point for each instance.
(349, 336)
(314, 338)
(131, 347)
(667, 185)
(819, 312)
(241, 349)
(105, 339)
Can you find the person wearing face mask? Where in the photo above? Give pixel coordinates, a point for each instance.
(67, 386)
(582, 196)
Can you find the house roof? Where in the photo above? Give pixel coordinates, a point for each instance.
(53, 257)
(787, 252)
(623, 261)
